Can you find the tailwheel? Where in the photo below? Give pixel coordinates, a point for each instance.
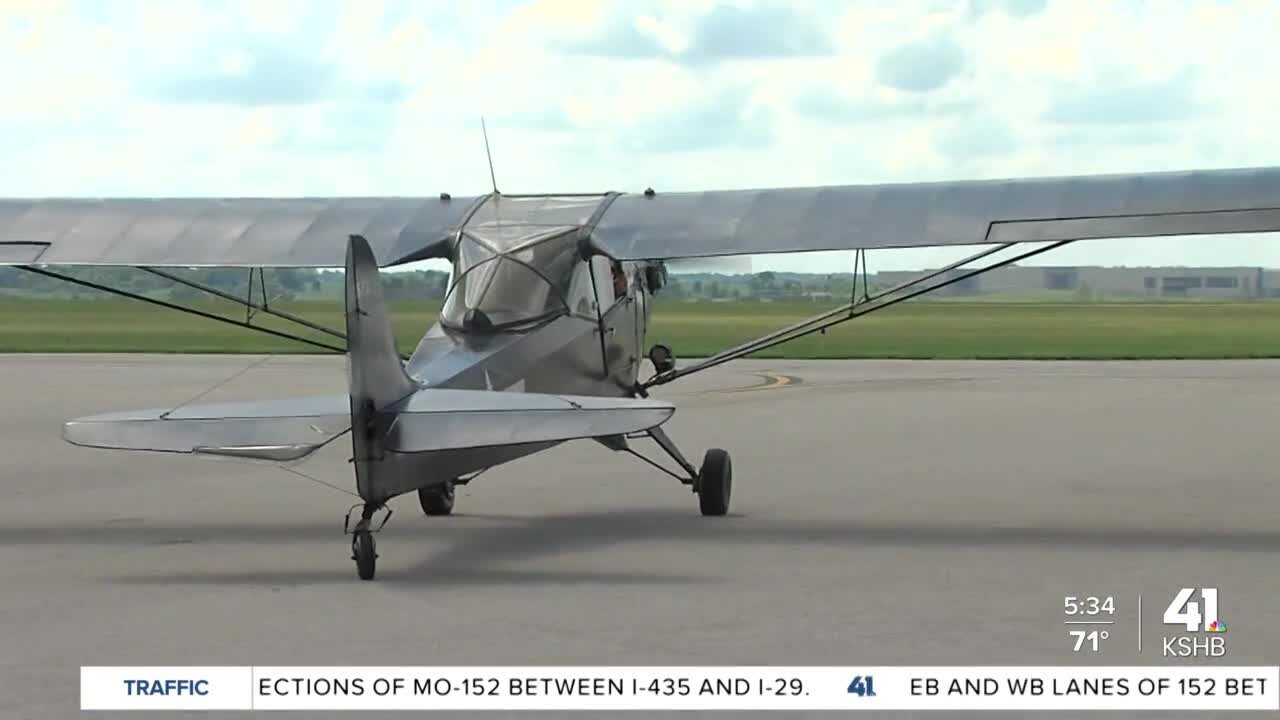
(363, 551)
(437, 499)
(715, 482)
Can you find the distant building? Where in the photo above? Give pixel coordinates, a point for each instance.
(1227, 282)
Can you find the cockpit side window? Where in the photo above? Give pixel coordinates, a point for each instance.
(619, 277)
(598, 273)
(582, 293)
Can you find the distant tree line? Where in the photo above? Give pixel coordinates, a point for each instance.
(304, 284)
(281, 284)
(762, 286)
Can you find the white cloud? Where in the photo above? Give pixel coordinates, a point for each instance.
(385, 97)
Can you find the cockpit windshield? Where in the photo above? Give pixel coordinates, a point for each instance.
(495, 289)
(514, 261)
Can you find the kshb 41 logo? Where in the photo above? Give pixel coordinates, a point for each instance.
(1195, 616)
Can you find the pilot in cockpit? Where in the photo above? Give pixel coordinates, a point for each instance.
(619, 280)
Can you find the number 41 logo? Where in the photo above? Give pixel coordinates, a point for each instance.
(863, 687)
(1186, 612)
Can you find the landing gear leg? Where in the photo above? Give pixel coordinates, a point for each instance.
(713, 482)
(363, 548)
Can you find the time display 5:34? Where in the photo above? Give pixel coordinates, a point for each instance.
(1089, 605)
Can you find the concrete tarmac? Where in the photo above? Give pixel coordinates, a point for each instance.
(884, 513)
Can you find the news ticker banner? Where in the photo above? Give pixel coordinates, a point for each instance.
(680, 688)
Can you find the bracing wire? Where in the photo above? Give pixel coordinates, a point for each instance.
(316, 480)
(223, 383)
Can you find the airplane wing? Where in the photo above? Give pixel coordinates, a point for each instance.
(222, 232)
(430, 419)
(786, 220)
(313, 232)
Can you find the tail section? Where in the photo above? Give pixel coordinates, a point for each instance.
(378, 380)
(377, 374)
(284, 430)
(402, 434)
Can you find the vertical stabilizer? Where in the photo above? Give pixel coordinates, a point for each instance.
(377, 375)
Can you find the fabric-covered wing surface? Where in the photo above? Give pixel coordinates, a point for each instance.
(312, 232)
(702, 224)
(221, 232)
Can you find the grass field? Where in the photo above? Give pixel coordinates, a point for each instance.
(955, 330)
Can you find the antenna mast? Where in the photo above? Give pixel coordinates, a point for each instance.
(493, 178)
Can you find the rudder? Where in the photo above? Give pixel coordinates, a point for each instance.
(377, 378)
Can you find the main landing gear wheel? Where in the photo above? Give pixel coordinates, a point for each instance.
(715, 482)
(437, 499)
(364, 552)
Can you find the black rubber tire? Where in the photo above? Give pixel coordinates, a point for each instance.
(437, 499)
(715, 482)
(364, 552)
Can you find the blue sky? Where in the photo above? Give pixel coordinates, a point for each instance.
(273, 97)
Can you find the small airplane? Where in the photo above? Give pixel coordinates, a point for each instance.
(540, 339)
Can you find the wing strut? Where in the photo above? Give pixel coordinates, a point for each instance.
(853, 309)
(193, 311)
(249, 305)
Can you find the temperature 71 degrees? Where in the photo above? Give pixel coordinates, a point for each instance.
(1093, 637)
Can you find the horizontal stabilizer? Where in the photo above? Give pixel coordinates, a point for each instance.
(280, 430)
(430, 420)
(454, 419)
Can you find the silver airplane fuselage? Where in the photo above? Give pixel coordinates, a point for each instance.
(594, 349)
